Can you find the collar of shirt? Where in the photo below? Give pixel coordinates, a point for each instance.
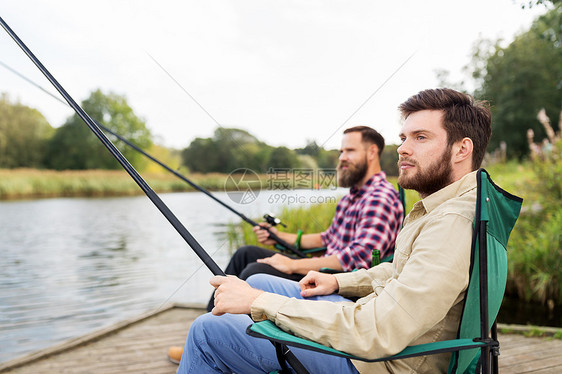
(424, 206)
(369, 185)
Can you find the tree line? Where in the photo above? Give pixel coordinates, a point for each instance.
(518, 80)
(28, 140)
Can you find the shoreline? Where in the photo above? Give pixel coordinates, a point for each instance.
(19, 184)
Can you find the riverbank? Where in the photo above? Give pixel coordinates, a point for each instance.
(35, 183)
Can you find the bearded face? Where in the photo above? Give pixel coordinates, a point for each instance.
(428, 179)
(350, 174)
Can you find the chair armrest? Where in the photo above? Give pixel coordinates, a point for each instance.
(268, 330)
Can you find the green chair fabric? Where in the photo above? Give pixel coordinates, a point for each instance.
(496, 214)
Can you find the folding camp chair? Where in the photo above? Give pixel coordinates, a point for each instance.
(474, 349)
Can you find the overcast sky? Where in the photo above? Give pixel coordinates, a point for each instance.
(286, 71)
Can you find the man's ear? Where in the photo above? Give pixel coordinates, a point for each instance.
(373, 152)
(463, 150)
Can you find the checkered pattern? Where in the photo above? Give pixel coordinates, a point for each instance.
(366, 219)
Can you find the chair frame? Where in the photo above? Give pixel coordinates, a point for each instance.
(487, 342)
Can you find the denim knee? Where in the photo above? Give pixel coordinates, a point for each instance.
(198, 328)
(259, 281)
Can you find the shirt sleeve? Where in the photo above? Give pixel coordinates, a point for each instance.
(431, 281)
(327, 235)
(359, 283)
(376, 228)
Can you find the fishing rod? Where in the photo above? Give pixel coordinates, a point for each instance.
(203, 255)
(272, 235)
(271, 220)
(174, 221)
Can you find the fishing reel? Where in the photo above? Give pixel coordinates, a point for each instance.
(272, 220)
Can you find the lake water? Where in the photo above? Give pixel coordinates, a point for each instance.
(69, 266)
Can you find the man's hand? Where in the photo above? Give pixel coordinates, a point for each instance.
(279, 262)
(262, 235)
(315, 284)
(233, 295)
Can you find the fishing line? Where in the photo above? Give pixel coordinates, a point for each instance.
(203, 255)
(370, 97)
(272, 235)
(286, 245)
(184, 90)
(186, 280)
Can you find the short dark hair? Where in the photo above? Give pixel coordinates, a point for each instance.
(369, 136)
(463, 117)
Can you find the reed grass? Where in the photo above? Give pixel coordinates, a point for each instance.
(34, 183)
(311, 219)
(534, 248)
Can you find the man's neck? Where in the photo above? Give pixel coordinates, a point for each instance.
(370, 172)
(460, 172)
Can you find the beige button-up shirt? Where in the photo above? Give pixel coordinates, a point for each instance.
(415, 299)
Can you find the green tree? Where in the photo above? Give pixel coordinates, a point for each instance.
(311, 149)
(521, 79)
(532, 3)
(74, 145)
(24, 133)
(328, 159)
(201, 156)
(283, 157)
(229, 149)
(389, 160)
(325, 159)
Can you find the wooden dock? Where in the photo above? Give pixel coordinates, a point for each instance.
(141, 345)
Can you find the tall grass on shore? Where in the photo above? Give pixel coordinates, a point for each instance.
(535, 245)
(310, 219)
(33, 183)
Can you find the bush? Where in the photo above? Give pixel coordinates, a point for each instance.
(535, 255)
(309, 219)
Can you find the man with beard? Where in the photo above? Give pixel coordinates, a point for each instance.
(415, 299)
(367, 218)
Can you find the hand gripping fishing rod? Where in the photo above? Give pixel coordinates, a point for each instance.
(204, 256)
(272, 235)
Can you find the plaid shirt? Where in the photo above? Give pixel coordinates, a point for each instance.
(366, 219)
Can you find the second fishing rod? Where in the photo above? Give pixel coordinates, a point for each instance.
(271, 220)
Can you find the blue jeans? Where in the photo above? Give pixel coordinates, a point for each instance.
(221, 345)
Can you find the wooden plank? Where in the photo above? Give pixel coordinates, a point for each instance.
(140, 345)
(520, 354)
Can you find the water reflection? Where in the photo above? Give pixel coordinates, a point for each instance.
(513, 311)
(72, 265)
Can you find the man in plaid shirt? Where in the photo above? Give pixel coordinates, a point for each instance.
(367, 218)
